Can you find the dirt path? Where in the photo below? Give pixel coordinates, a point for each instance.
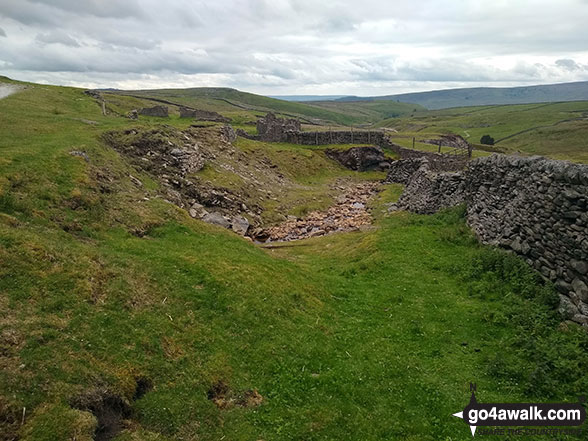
(8, 89)
(348, 214)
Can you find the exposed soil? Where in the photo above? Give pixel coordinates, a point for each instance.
(224, 397)
(110, 410)
(348, 214)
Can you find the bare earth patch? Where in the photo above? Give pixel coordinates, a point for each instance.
(8, 89)
(348, 214)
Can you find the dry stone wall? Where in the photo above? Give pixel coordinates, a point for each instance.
(273, 129)
(536, 207)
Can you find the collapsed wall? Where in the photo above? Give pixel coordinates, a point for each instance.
(159, 111)
(536, 207)
(203, 115)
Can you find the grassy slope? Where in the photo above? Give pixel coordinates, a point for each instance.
(370, 111)
(556, 130)
(370, 335)
(225, 100)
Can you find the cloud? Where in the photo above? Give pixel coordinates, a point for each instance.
(567, 64)
(57, 37)
(97, 8)
(2, 33)
(291, 46)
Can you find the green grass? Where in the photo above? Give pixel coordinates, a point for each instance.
(249, 105)
(556, 130)
(370, 111)
(367, 335)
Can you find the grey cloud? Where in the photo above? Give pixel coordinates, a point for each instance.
(567, 64)
(57, 37)
(295, 44)
(98, 8)
(2, 33)
(28, 14)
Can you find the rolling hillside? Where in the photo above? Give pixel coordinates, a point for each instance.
(556, 130)
(124, 318)
(481, 96)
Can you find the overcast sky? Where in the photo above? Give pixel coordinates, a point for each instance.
(361, 47)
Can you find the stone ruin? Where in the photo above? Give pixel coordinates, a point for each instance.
(159, 111)
(274, 129)
(534, 207)
(360, 158)
(203, 115)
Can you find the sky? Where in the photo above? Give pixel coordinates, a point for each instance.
(295, 47)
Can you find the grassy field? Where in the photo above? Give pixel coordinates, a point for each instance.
(188, 332)
(556, 130)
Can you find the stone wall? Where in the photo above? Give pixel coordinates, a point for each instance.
(160, 111)
(274, 129)
(202, 115)
(426, 190)
(536, 207)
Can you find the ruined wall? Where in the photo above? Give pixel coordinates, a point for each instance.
(536, 207)
(360, 158)
(160, 111)
(274, 129)
(202, 115)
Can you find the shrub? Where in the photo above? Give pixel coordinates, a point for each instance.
(487, 140)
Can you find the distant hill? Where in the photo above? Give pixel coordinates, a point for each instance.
(481, 96)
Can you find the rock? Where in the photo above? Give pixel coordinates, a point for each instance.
(358, 206)
(579, 266)
(317, 232)
(240, 225)
(217, 219)
(566, 308)
(358, 158)
(133, 114)
(83, 155)
(135, 181)
(580, 288)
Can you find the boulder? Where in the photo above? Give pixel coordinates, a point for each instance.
(240, 225)
(217, 219)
